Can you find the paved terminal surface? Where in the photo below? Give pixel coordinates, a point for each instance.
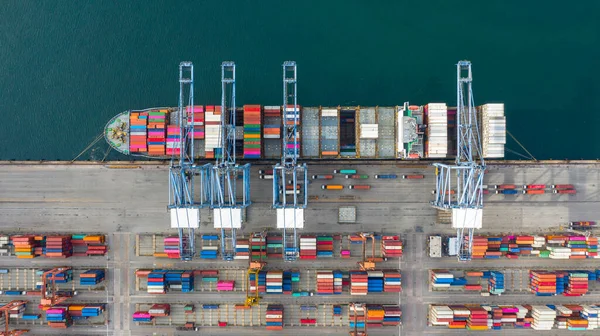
(125, 202)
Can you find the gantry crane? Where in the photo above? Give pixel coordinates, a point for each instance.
(227, 204)
(5, 311)
(355, 307)
(188, 182)
(254, 268)
(50, 296)
(466, 175)
(368, 263)
(290, 204)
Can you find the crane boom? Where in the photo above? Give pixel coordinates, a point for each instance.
(466, 175)
(290, 204)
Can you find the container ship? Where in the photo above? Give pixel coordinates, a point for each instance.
(345, 132)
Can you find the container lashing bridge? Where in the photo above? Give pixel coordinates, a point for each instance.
(290, 202)
(229, 182)
(466, 175)
(188, 182)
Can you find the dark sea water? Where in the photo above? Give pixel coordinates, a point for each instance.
(66, 67)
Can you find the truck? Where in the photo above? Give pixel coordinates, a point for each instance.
(265, 172)
(413, 177)
(386, 176)
(357, 176)
(564, 191)
(332, 187)
(533, 191)
(266, 177)
(504, 186)
(322, 177)
(534, 186)
(359, 186)
(345, 171)
(507, 191)
(562, 186)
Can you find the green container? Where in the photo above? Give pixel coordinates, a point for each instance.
(296, 294)
(251, 146)
(210, 279)
(544, 254)
(504, 249)
(78, 236)
(274, 245)
(325, 238)
(348, 171)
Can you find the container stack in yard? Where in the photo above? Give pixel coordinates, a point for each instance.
(308, 247)
(252, 131)
(157, 282)
(142, 316)
(274, 246)
(391, 246)
(24, 246)
(274, 317)
(160, 310)
(209, 249)
(567, 283)
(329, 282)
(4, 244)
(324, 246)
(58, 247)
(171, 247)
(242, 249)
(538, 317)
(258, 247)
(91, 277)
(62, 316)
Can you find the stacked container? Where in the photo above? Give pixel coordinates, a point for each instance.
(138, 132)
(142, 316)
(252, 131)
(4, 240)
(274, 317)
(437, 130)
(324, 246)
(359, 283)
(592, 247)
(337, 310)
(325, 282)
(208, 250)
(441, 279)
(392, 282)
(543, 283)
(375, 281)
(172, 247)
(242, 249)
(157, 124)
(578, 246)
(24, 246)
(173, 140)
(576, 284)
(274, 282)
(274, 247)
(543, 318)
(197, 121)
(357, 316)
(391, 246)
(58, 247)
(58, 317)
(272, 131)
(480, 247)
(226, 285)
(16, 312)
(60, 277)
(478, 319)
(213, 130)
(375, 314)
(496, 283)
(88, 310)
(441, 315)
(308, 247)
(258, 247)
(592, 315)
(187, 281)
(91, 277)
(392, 315)
(157, 282)
(160, 309)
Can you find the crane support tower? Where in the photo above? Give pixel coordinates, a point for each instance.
(5, 314)
(230, 182)
(466, 175)
(290, 203)
(188, 182)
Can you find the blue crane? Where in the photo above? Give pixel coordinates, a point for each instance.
(227, 177)
(466, 175)
(290, 202)
(188, 182)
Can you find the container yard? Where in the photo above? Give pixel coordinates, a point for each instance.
(281, 219)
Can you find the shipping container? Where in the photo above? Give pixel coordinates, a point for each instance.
(413, 177)
(332, 187)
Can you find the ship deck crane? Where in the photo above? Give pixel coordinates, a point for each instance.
(466, 175)
(49, 295)
(188, 182)
(5, 313)
(290, 206)
(229, 182)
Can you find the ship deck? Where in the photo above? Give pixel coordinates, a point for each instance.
(127, 200)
